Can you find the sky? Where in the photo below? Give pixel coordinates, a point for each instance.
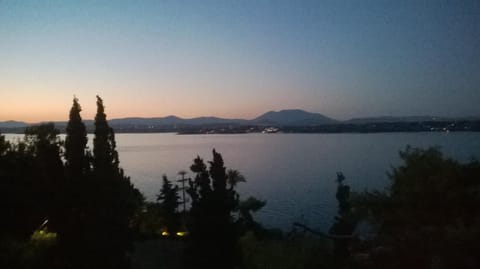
(239, 59)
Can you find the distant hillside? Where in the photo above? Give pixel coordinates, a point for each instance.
(390, 119)
(173, 120)
(13, 124)
(293, 117)
(284, 118)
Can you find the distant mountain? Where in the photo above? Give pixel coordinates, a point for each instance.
(284, 118)
(13, 124)
(169, 120)
(214, 120)
(390, 119)
(293, 117)
(172, 121)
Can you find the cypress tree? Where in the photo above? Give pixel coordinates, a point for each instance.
(76, 161)
(223, 204)
(115, 198)
(74, 216)
(169, 201)
(105, 156)
(218, 173)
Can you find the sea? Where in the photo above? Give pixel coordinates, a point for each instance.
(294, 173)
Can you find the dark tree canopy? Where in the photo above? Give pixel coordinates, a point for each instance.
(169, 201)
(96, 201)
(87, 201)
(218, 173)
(201, 182)
(429, 215)
(20, 212)
(76, 161)
(46, 147)
(31, 177)
(214, 233)
(344, 224)
(114, 200)
(104, 146)
(245, 218)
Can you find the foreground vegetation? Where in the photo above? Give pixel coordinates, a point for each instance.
(67, 206)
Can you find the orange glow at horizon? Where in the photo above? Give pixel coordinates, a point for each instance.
(58, 110)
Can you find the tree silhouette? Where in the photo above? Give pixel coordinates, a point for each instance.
(21, 212)
(234, 177)
(76, 158)
(169, 201)
(4, 145)
(200, 214)
(74, 215)
(105, 156)
(428, 217)
(88, 201)
(214, 233)
(245, 219)
(29, 172)
(114, 198)
(45, 145)
(344, 222)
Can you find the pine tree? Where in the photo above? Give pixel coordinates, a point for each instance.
(169, 201)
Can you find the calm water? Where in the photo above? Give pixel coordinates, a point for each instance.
(295, 173)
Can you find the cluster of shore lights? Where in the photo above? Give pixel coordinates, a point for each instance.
(165, 233)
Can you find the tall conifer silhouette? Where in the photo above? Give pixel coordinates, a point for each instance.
(213, 231)
(76, 161)
(169, 200)
(104, 145)
(115, 198)
(74, 215)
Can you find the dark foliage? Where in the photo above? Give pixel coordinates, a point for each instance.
(169, 201)
(20, 216)
(113, 200)
(105, 156)
(86, 201)
(245, 218)
(31, 176)
(214, 234)
(429, 217)
(344, 224)
(45, 146)
(74, 215)
(76, 161)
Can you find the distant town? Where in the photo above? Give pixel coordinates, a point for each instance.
(284, 121)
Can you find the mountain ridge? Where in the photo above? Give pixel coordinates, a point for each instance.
(285, 117)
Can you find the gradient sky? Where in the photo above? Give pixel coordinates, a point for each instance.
(239, 58)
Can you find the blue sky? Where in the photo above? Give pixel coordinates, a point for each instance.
(239, 58)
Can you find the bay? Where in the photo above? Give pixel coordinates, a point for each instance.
(294, 173)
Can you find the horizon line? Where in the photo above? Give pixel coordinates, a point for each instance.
(226, 118)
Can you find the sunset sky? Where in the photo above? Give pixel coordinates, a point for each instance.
(239, 58)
